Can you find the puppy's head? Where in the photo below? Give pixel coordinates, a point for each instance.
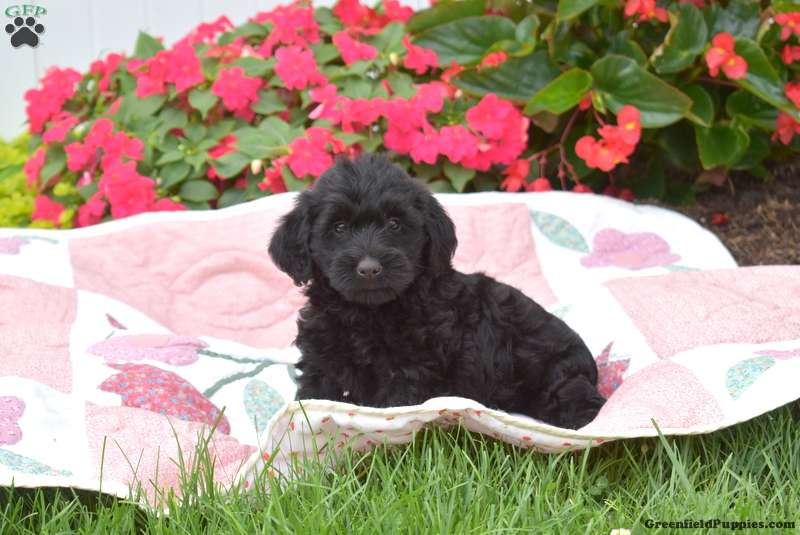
(368, 228)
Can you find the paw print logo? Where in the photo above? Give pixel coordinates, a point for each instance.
(24, 31)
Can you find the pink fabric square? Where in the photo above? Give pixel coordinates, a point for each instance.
(210, 278)
(496, 239)
(684, 310)
(142, 447)
(34, 331)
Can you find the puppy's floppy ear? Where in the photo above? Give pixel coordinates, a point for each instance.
(289, 247)
(441, 236)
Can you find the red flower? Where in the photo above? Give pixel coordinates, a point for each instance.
(790, 54)
(785, 128)
(586, 102)
(78, 155)
(308, 155)
(151, 75)
(722, 55)
(396, 12)
(273, 177)
(424, 145)
(58, 86)
(167, 205)
(646, 9)
(617, 143)
(490, 116)
(493, 59)
(516, 175)
(46, 210)
(627, 195)
(105, 69)
(292, 25)
(183, 67)
(127, 191)
(429, 97)
(92, 212)
(60, 125)
(419, 59)
(719, 218)
(449, 73)
(540, 184)
(457, 143)
(153, 389)
(225, 145)
(206, 32)
(628, 130)
(34, 166)
(792, 90)
(235, 89)
(790, 24)
(582, 188)
(598, 154)
(297, 68)
(353, 50)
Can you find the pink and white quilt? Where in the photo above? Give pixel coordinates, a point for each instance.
(121, 343)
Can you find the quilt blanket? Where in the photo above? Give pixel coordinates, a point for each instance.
(121, 343)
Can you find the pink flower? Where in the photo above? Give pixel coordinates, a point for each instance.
(308, 155)
(46, 210)
(722, 54)
(11, 408)
(396, 12)
(353, 50)
(424, 145)
(273, 177)
(639, 250)
(119, 145)
(785, 128)
(150, 388)
(167, 205)
(184, 68)
(58, 86)
(127, 191)
(236, 90)
(493, 59)
(92, 211)
(151, 75)
(78, 155)
(105, 69)
(646, 9)
(792, 90)
(291, 25)
(419, 59)
(790, 24)
(490, 116)
(516, 175)
(206, 32)
(60, 125)
(167, 348)
(34, 166)
(297, 68)
(225, 145)
(790, 54)
(457, 143)
(539, 185)
(352, 12)
(429, 97)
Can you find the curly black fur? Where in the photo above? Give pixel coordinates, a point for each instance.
(409, 327)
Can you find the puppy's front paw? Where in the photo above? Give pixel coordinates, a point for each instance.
(579, 403)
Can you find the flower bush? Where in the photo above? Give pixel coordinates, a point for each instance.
(623, 97)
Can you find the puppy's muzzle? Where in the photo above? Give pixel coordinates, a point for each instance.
(369, 268)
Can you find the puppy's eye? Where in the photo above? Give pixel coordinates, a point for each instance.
(394, 224)
(339, 227)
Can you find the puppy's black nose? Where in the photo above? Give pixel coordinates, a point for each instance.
(369, 268)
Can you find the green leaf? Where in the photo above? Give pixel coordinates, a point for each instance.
(87, 191)
(390, 39)
(324, 53)
(678, 147)
(292, 182)
(762, 80)
(259, 143)
(751, 110)
(202, 100)
(268, 102)
(173, 174)
(623, 82)
(231, 164)
(133, 107)
(758, 150)
(198, 191)
(231, 196)
(55, 162)
(517, 79)
(195, 133)
(526, 33)
(357, 87)
(459, 176)
(328, 22)
(560, 231)
(741, 18)
(568, 9)
(255, 66)
(467, 40)
(622, 45)
(169, 157)
(402, 84)
(252, 29)
(720, 145)
(172, 118)
(444, 12)
(561, 94)
(441, 186)
(685, 40)
(702, 111)
(146, 46)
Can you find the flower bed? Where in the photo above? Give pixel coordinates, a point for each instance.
(469, 96)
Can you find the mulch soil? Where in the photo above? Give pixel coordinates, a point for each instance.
(759, 221)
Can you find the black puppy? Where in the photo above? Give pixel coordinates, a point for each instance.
(389, 322)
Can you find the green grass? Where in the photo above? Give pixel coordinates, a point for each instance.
(454, 482)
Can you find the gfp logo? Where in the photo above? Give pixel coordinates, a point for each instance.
(24, 28)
